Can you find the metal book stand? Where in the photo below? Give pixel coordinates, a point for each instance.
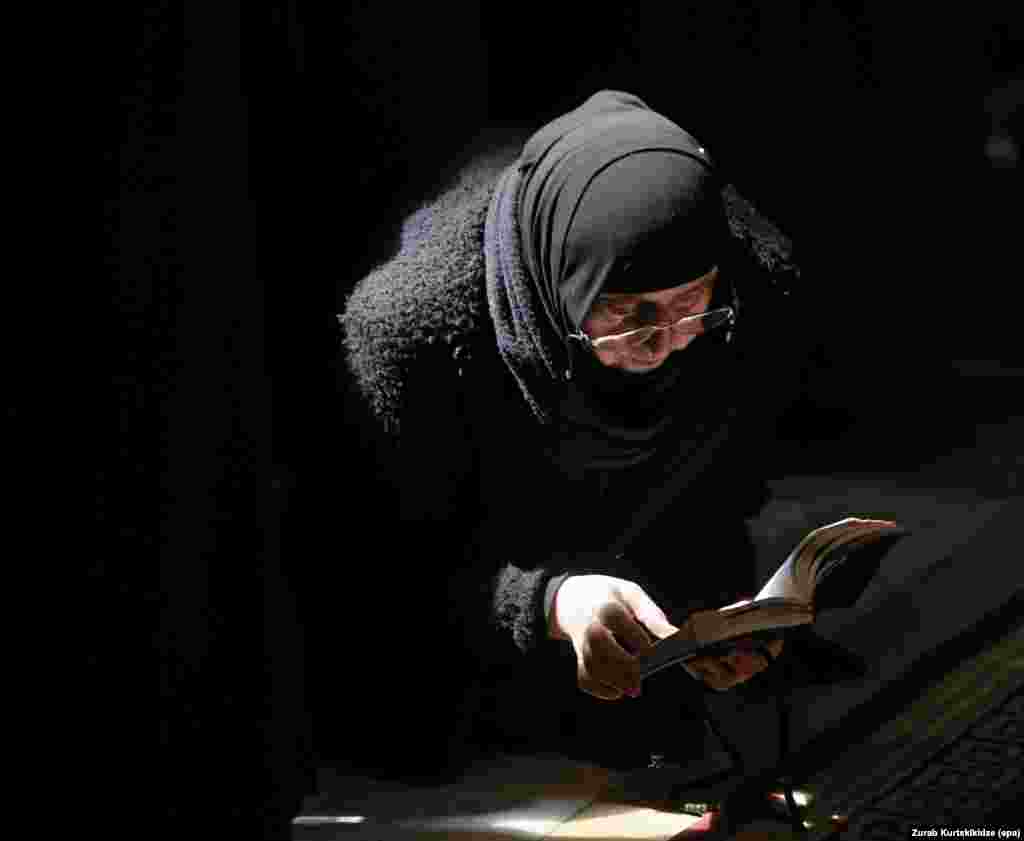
(741, 804)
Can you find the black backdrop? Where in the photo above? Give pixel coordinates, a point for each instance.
(259, 161)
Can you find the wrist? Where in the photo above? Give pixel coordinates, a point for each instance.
(550, 606)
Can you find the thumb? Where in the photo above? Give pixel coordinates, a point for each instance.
(648, 614)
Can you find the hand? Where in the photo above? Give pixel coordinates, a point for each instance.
(724, 673)
(608, 621)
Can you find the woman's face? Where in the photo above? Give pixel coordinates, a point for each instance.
(617, 313)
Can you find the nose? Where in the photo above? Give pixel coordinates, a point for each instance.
(665, 342)
(659, 344)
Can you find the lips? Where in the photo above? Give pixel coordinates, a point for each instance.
(646, 366)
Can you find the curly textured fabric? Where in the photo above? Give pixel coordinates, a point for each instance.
(772, 249)
(517, 606)
(405, 326)
(428, 294)
(523, 598)
(432, 290)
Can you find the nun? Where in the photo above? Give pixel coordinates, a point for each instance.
(568, 376)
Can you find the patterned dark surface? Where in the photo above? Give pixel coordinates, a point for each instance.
(951, 759)
(963, 786)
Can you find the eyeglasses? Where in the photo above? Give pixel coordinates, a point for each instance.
(690, 325)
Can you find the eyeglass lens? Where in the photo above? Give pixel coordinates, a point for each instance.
(690, 325)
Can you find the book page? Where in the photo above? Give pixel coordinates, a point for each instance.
(822, 549)
(785, 601)
(713, 626)
(783, 584)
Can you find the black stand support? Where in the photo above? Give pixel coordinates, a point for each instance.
(744, 804)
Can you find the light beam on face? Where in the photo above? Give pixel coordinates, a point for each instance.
(615, 313)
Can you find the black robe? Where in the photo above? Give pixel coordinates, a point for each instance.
(478, 522)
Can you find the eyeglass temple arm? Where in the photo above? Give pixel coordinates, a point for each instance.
(582, 337)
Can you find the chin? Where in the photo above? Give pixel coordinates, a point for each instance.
(642, 368)
(637, 368)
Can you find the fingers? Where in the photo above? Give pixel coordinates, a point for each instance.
(730, 670)
(739, 666)
(608, 621)
(594, 687)
(604, 669)
(647, 612)
(716, 672)
(629, 633)
(745, 664)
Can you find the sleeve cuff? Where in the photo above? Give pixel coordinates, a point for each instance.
(549, 595)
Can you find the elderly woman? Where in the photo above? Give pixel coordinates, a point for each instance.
(571, 369)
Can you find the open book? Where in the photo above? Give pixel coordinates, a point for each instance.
(829, 568)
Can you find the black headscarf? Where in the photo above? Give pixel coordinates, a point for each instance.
(609, 197)
(615, 197)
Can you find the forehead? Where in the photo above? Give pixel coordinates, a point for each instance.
(662, 294)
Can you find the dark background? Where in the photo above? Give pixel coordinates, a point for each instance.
(260, 157)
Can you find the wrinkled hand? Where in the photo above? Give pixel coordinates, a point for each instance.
(724, 673)
(610, 620)
(607, 620)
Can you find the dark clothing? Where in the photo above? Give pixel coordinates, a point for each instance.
(487, 517)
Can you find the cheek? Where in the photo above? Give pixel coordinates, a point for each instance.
(625, 358)
(612, 359)
(680, 342)
(663, 346)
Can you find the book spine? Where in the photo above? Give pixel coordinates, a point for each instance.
(669, 651)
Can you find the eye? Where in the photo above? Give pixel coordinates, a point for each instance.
(610, 310)
(688, 303)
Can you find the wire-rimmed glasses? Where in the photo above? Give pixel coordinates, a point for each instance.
(690, 325)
